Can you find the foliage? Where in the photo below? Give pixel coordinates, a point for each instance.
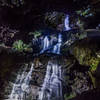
(82, 54)
(36, 33)
(20, 46)
(86, 57)
(85, 12)
(94, 63)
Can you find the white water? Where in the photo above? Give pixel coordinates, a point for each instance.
(21, 86)
(49, 47)
(56, 48)
(46, 44)
(52, 86)
(66, 22)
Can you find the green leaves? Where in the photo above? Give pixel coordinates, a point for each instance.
(94, 64)
(36, 33)
(85, 12)
(20, 46)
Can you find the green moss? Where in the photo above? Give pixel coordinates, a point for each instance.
(86, 56)
(82, 54)
(92, 79)
(20, 46)
(94, 63)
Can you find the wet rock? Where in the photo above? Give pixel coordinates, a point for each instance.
(55, 20)
(87, 54)
(7, 35)
(77, 81)
(80, 83)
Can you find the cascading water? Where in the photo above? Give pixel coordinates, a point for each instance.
(46, 44)
(21, 87)
(56, 48)
(66, 22)
(49, 47)
(52, 86)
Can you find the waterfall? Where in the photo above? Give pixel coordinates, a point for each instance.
(46, 44)
(56, 48)
(52, 85)
(66, 22)
(21, 86)
(49, 46)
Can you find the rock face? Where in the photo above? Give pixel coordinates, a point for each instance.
(77, 79)
(87, 54)
(55, 20)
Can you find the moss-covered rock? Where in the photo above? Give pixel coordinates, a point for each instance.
(86, 54)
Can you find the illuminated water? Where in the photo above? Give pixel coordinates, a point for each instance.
(52, 86)
(21, 86)
(66, 23)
